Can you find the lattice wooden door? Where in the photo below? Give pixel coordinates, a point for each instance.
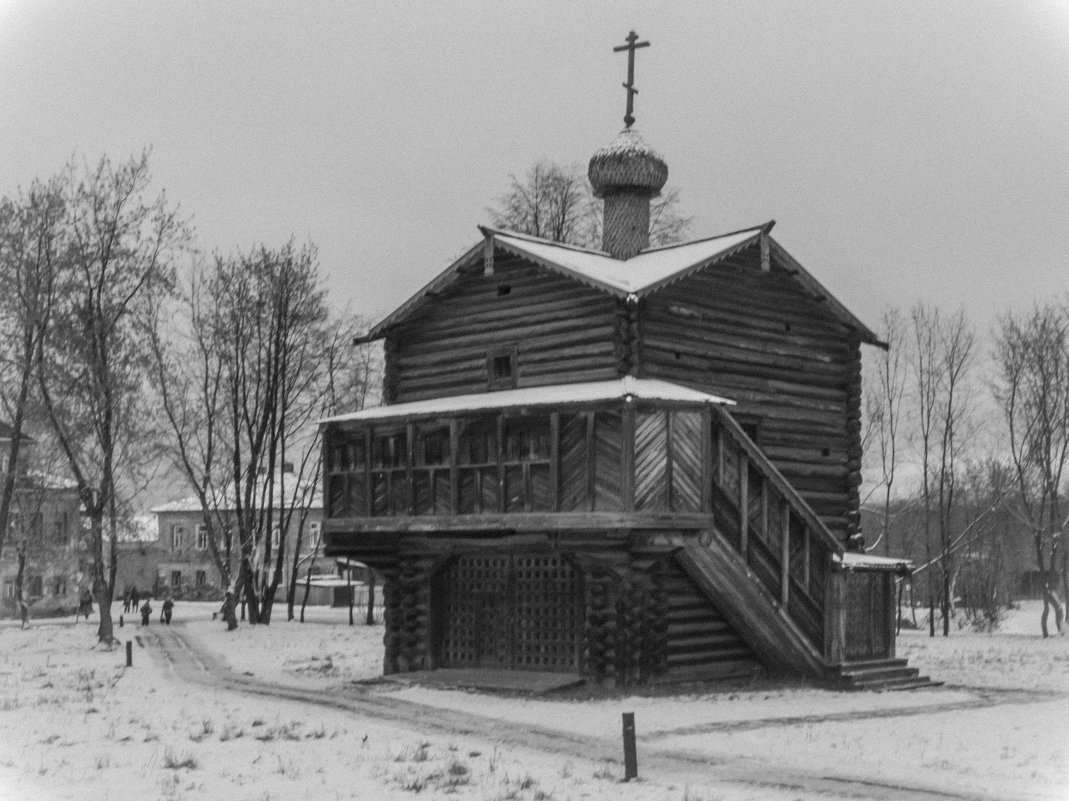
(519, 611)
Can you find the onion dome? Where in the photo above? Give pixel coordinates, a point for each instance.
(627, 165)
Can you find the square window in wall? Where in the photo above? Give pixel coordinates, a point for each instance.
(501, 368)
(200, 578)
(176, 578)
(177, 535)
(202, 537)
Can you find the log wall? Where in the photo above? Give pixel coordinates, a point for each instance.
(758, 338)
(563, 333)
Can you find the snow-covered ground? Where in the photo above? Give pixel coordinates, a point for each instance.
(76, 724)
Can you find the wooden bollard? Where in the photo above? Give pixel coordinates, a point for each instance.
(630, 754)
(129, 653)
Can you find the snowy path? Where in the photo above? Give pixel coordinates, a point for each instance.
(669, 755)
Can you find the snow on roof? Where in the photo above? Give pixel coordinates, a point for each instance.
(852, 560)
(555, 395)
(192, 504)
(642, 273)
(140, 528)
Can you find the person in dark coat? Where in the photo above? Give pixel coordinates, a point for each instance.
(85, 605)
(146, 613)
(24, 613)
(135, 596)
(168, 608)
(126, 600)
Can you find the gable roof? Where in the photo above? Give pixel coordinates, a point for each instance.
(641, 275)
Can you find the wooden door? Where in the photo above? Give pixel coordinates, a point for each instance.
(512, 611)
(868, 632)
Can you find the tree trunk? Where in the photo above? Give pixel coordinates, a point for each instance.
(370, 620)
(307, 588)
(349, 587)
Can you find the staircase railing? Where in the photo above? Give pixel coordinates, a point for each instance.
(782, 541)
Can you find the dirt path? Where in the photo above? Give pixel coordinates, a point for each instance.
(190, 663)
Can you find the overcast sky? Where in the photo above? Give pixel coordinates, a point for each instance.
(907, 150)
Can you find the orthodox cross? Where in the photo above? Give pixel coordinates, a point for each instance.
(632, 45)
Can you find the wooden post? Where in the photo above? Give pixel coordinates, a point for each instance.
(410, 458)
(719, 454)
(629, 457)
(591, 465)
(369, 483)
(129, 653)
(630, 753)
(707, 461)
(744, 506)
(349, 587)
(554, 461)
(764, 511)
(454, 460)
(785, 552)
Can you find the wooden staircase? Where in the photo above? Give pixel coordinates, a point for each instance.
(702, 645)
(878, 674)
(780, 582)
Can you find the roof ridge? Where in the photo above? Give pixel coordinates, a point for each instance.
(763, 227)
(488, 231)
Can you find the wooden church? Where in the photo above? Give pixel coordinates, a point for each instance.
(633, 464)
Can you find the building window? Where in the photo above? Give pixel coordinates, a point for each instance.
(501, 368)
(177, 535)
(9, 589)
(176, 578)
(59, 527)
(313, 531)
(276, 538)
(59, 586)
(200, 578)
(36, 587)
(202, 537)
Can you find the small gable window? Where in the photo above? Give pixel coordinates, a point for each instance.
(501, 368)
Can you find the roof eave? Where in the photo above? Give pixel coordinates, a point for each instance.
(818, 290)
(436, 284)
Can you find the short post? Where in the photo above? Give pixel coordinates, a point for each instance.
(129, 653)
(630, 755)
(120, 621)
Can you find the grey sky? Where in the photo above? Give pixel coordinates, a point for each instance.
(906, 149)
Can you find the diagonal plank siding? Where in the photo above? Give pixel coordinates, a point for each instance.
(757, 338)
(608, 461)
(651, 461)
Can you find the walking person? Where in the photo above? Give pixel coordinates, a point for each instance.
(126, 600)
(168, 608)
(135, 597)
(146, 613)
(24, 613)
(85, 605)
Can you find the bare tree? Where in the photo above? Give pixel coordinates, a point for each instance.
(30, 247)
(555, 202)
(943, 355)
(91, 363)
(883, 405)
(1032, 354)
(346, 374)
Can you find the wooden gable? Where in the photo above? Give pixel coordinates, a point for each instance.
(558, 331)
